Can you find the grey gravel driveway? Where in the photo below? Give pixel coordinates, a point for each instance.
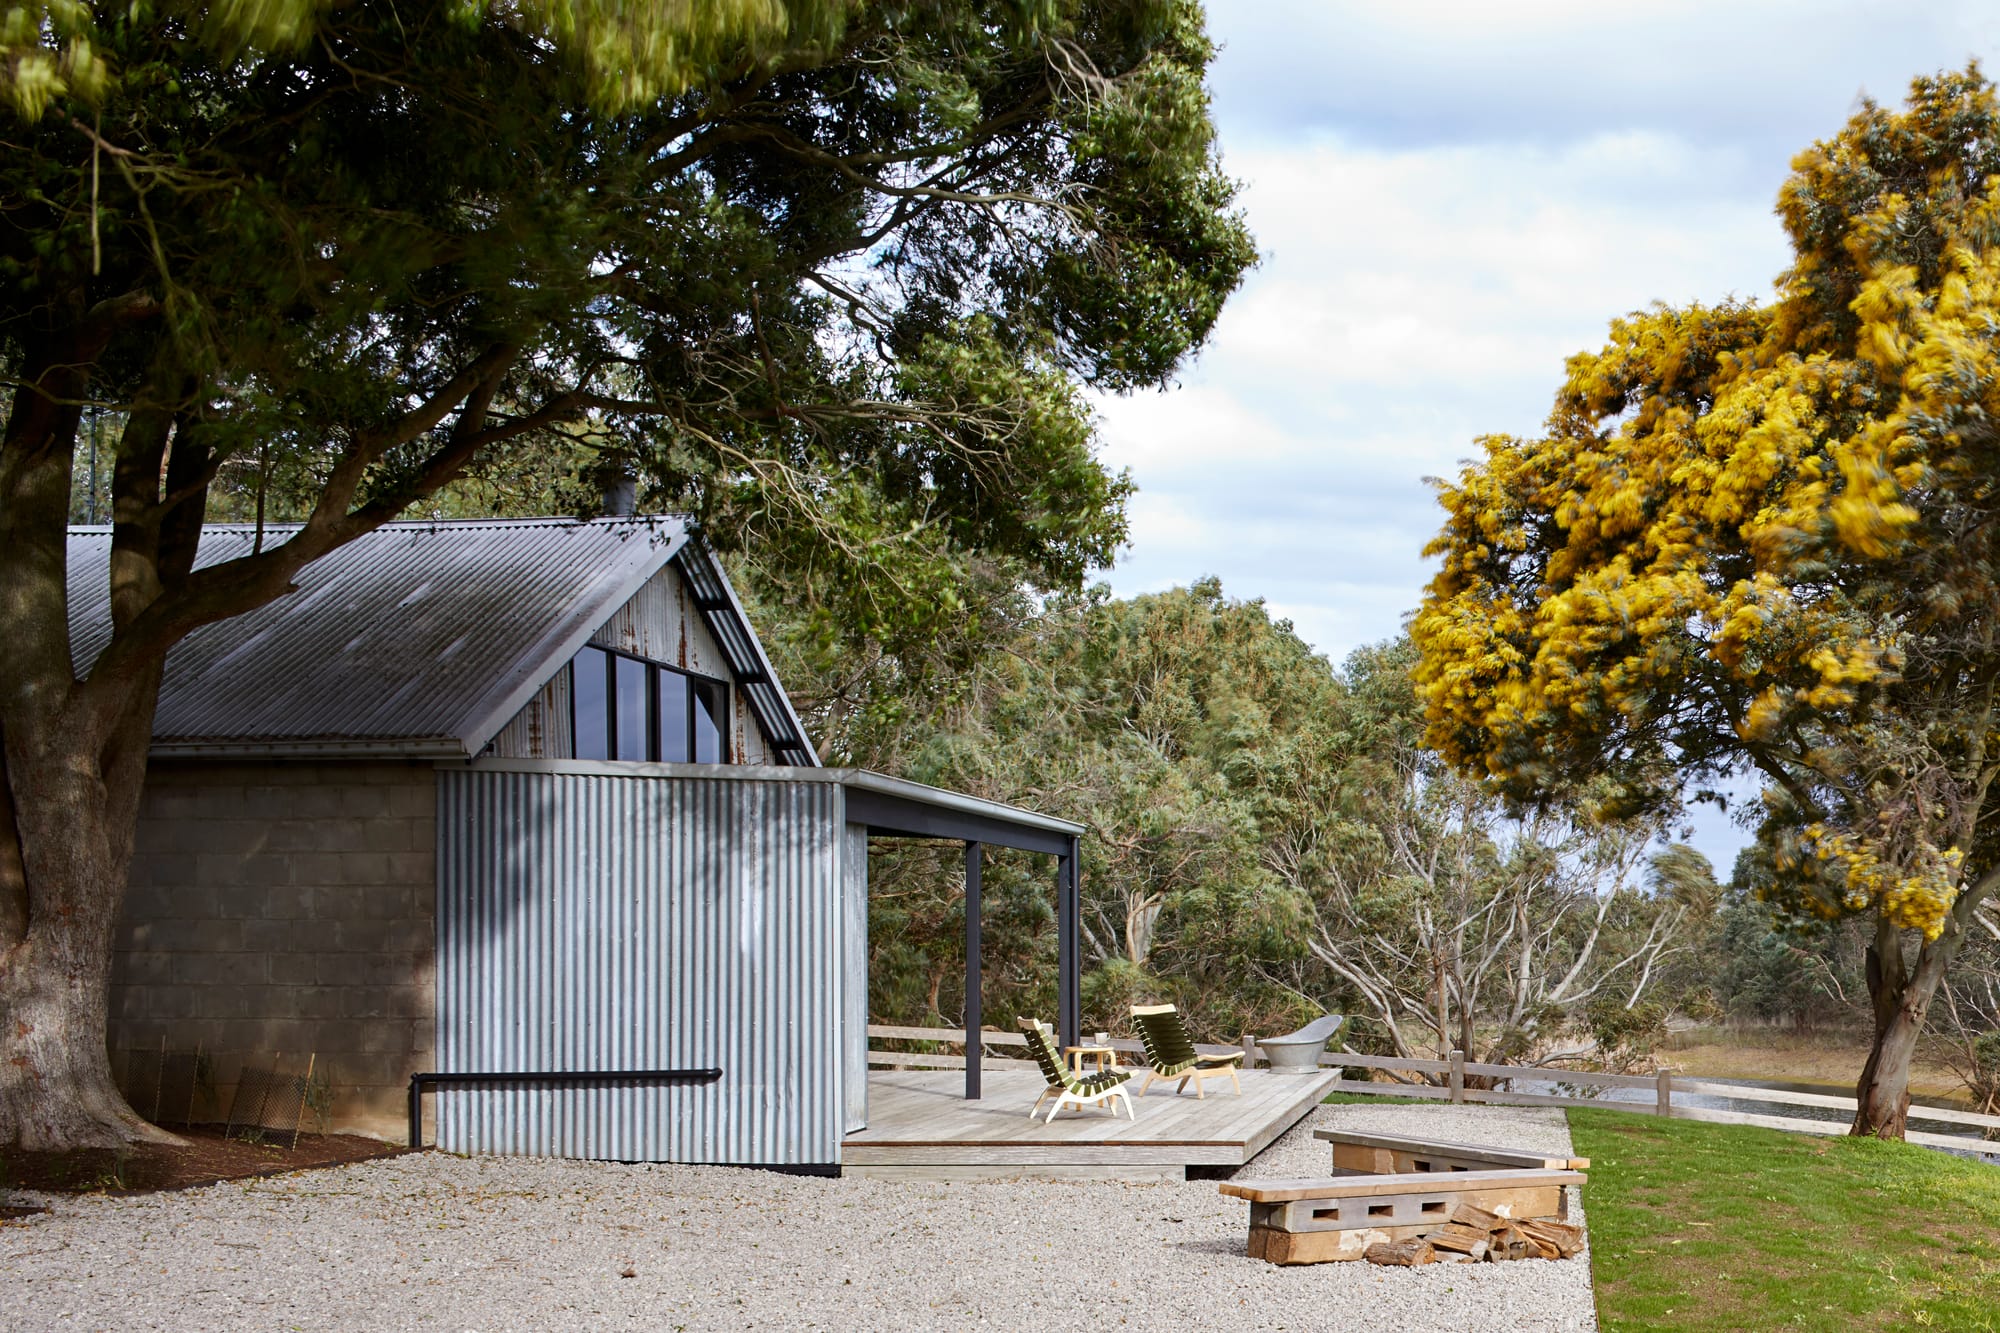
(436, 1242)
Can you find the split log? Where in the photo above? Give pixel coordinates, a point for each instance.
(1479, 1233)
(1471, 1215)
(1458, 1239)
(1401, 1253)
(1510, 1242)
(1564, 1238)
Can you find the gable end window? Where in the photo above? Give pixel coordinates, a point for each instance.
(628, 707)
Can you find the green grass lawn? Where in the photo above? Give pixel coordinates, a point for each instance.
(1724, 1227)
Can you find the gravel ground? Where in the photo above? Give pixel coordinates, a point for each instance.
(438, 1242)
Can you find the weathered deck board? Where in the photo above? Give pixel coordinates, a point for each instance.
(919, 1119)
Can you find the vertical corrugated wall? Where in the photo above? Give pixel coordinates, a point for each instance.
(594, 922)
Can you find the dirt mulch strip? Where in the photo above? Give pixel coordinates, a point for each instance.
(208, 1157)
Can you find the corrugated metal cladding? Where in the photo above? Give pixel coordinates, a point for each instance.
(542, 729)
(595, 922)
(415, 631)
(661, 623)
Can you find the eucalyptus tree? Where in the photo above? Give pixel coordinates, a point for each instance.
(1439, 917)
(829, 276)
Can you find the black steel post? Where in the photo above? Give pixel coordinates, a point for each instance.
(1069, 988)
(972, 980)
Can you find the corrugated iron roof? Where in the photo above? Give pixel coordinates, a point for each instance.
(419, 638)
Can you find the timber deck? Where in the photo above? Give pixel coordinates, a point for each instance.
(921, 1127)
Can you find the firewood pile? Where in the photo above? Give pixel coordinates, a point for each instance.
(1473, 1235)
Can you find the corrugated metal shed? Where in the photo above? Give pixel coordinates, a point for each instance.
(601, 919)
(419, 638)
(600, 916)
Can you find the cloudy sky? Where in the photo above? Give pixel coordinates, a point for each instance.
(1450, 198)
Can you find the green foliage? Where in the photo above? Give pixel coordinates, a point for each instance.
(1237, 788)
(827, 277)
(1624, 1031)
(1683, 875)
(1770, 969)
(317, 1095)
(1166, 723)
(624, 54)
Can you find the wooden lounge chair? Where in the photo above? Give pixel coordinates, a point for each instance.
(1068, 1087)
(1170, 1051)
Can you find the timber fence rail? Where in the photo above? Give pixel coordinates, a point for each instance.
(988, 1039)
(1570, 1085)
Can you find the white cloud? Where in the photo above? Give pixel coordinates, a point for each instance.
(1777, 73)
(1411, 301)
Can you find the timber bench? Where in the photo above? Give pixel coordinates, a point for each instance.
(1317, 1221)
(1381, 1154)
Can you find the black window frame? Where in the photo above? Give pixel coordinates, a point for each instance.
(723, 690)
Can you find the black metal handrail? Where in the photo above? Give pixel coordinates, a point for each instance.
(418, 1082)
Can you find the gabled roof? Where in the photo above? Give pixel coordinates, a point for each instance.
(420, 638)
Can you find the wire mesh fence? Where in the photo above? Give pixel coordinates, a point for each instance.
(169, 1087)
(269, 1105)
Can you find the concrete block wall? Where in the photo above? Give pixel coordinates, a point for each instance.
(286, 907)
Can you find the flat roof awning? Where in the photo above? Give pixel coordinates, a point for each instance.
(894, 808)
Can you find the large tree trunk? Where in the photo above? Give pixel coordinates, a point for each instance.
(70, 774)
(1901, 999)
(56, 1089)
(73, 750)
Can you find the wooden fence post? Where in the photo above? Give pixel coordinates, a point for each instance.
(1663, 1091)
(1249, 1051)
(1458, 1076)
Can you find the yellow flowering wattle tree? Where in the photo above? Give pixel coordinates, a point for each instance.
(1767, 537)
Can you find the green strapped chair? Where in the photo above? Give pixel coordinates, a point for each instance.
(1070, 1088)
(1170, 1051)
